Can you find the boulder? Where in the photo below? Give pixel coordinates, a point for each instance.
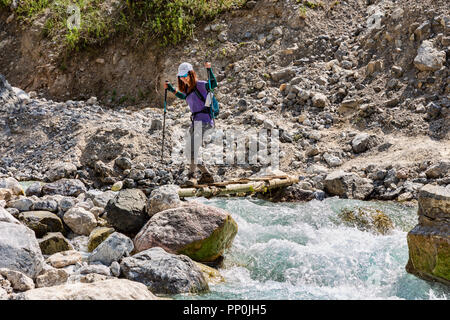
(429, 58)
(41, 222)
(199, 231)
(12, 184)
(126, 211)
(64, 187)
(163, 198)
(19, 249)
(97, 236)
(64, 258)
(348, 185)
(164, 273)
(429, 240)
(112, 289)
(54, 242)
(112, 249)
(18, 280)
(80, 220)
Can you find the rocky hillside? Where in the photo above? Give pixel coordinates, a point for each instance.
(358, 89)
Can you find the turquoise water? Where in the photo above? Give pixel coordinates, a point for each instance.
(302, 251)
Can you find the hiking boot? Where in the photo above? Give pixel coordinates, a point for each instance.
(206, 178)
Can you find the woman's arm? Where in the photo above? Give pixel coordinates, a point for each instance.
(178, 94)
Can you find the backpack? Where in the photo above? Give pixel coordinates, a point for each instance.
(213, 109)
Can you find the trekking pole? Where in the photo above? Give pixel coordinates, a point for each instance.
(164, 121)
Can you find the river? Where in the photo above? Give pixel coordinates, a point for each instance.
(300, 251)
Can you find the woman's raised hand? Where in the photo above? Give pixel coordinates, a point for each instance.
(208, 65)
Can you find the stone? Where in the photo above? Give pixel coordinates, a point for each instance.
(18, 280)
(283, 74)
(163, 198)
(429, 58)
(54, 242)
(51, 277)
(94, 268)
(64, 258)
(45, 205)
(115, 269)
(13, 185)
(332, 161)
(114, 248)
(64, 187)
(21, 204)
(126, 211)
(61, 170)
(429, 240)
(123, 163)
(164, 273)
(319, 100)
(111, 289)
(100, 198)
(97, 236)
(348, 185)
(211, 275)
(362, 142)
(19, 249)
(117, 186)
(438, 170)
(5, 216)
(199, 231)
(80, 220)
(6, 194)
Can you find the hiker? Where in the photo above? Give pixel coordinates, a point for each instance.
(201, 116)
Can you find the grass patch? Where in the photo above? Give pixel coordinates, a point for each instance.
(166, 22)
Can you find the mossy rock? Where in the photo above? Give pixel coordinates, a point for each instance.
(41, 222)
(97, 236)
(211, 248)
(367, 219)
(211, 275)
(54, 242)
(429, 253)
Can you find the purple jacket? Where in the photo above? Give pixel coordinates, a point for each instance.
(196, 104)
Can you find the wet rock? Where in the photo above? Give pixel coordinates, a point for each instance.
(199, 231)
(164, 273)
(114, 248)
(429, 240)
(19, 249)
(112, 289)
(367, 219)
(126, 211)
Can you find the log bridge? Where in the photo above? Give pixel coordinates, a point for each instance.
(237, 187)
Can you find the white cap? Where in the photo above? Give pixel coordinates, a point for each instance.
(184, 68)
